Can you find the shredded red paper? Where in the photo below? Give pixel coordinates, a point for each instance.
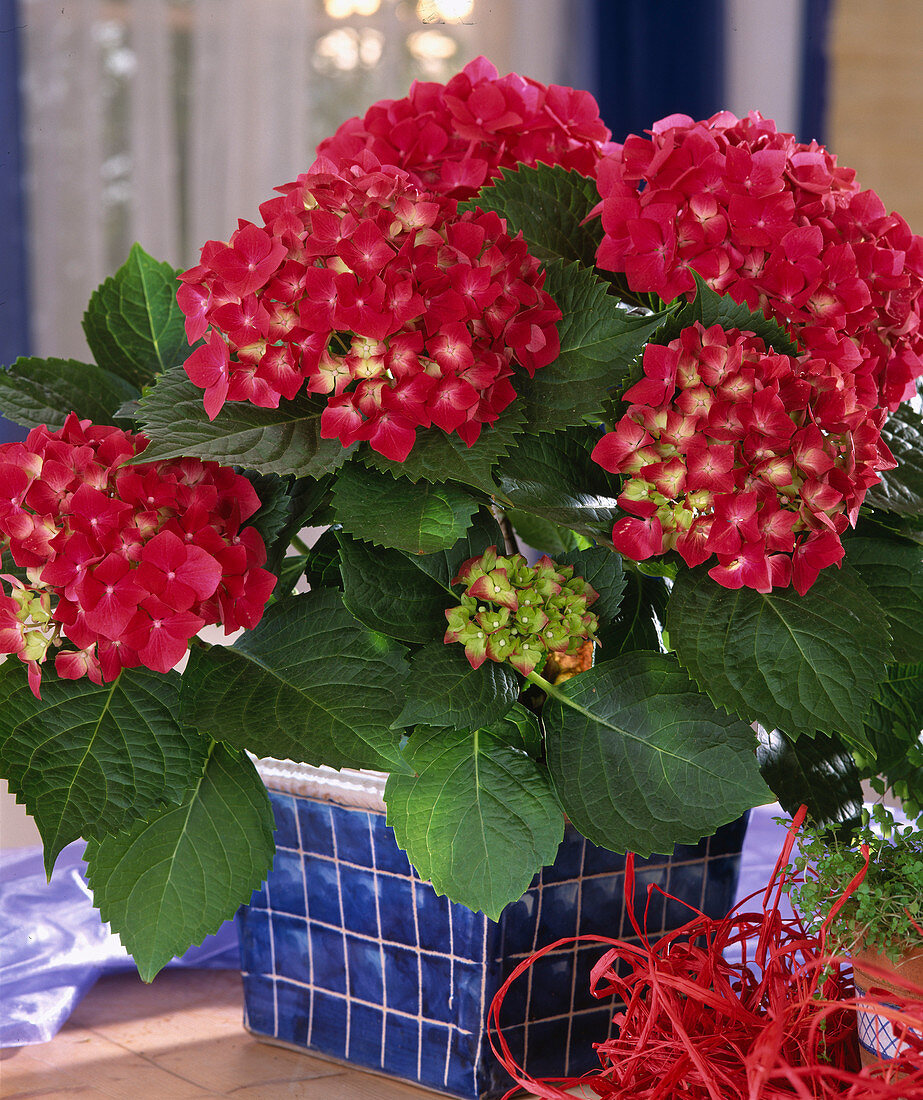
(773, 1018)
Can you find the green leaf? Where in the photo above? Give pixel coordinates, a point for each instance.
(272, 441)
(287, 505)
(710, 308)
(818, 772)
(443, 566)
(549, 206)
(634, 628)
(175, 878)
(542, 534)
(437, 456)
(444, 690)
(554, 477)
(406, 595)
(798, 663)
(893, 572)
(602, 568)
(87, 760)
(44, 391)
(388, 591)
(901, 489)
(309, 683)
(479, 818)
(641, 761)
(133, 325)
(894, 726)
(600, 340)
(392, 512)
(321, 564)
(519, 727)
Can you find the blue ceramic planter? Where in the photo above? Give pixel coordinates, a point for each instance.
(347, 954)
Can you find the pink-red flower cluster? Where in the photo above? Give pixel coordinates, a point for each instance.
(732, 450)
(125, 562)
(452, 138)
(779, 225)
(404, 312)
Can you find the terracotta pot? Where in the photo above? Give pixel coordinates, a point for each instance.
(876, 1035)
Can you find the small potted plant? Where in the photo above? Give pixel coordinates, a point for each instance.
(864, 887)
(681, 365)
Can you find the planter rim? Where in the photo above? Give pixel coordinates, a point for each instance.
(360, 789)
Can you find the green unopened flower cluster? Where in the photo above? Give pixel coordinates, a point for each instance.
(516, 612)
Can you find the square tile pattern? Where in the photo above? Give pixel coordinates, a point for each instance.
(347, 953)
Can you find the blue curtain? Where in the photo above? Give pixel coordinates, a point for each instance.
(655, 58)
(14, 302)
(812, 123)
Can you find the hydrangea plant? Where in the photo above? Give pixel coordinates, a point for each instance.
(678, 368)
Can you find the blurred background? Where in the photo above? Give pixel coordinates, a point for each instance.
(164, 121)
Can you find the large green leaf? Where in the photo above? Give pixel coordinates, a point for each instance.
(286, 506)
(893, 572)
(602, 568)
(554, 477)
(133, 324)
(901, 489)
(550, 207)
(172, 880)
(797, 663)
(443, 565)
(272, 441)
(644, 599)
(641, 761)
(308, 683)
(406, 595)
(818, 772)
(710, 308)
(600, 340)
(87, 760)
(542, 534)
(894, 726)
(437, 456)
(393, 512)
(478, 820)
(444, 690)
(387, 590)
(44, 391)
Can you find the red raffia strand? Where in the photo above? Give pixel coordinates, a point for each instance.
(778, 1023)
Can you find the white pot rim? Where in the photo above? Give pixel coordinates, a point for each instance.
(359, 789)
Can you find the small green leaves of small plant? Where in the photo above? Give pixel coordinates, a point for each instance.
(173, 879)
(554, 477)
(641, 761)
(550, 207)
(901, 489)
(710, 308)
(87, 760)
(444, 690)
(600, 340)
(798, 663)
(393, 512)
(273, 441)
(44, 391)
(309, 683)
(479, 818)
(893, 572)
(133, 325)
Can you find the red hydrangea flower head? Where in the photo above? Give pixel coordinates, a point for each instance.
(453, 138)
(402, 312)
(733, 452)
(127, 563)
(774, 223)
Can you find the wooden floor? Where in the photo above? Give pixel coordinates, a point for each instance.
(179, 1037)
